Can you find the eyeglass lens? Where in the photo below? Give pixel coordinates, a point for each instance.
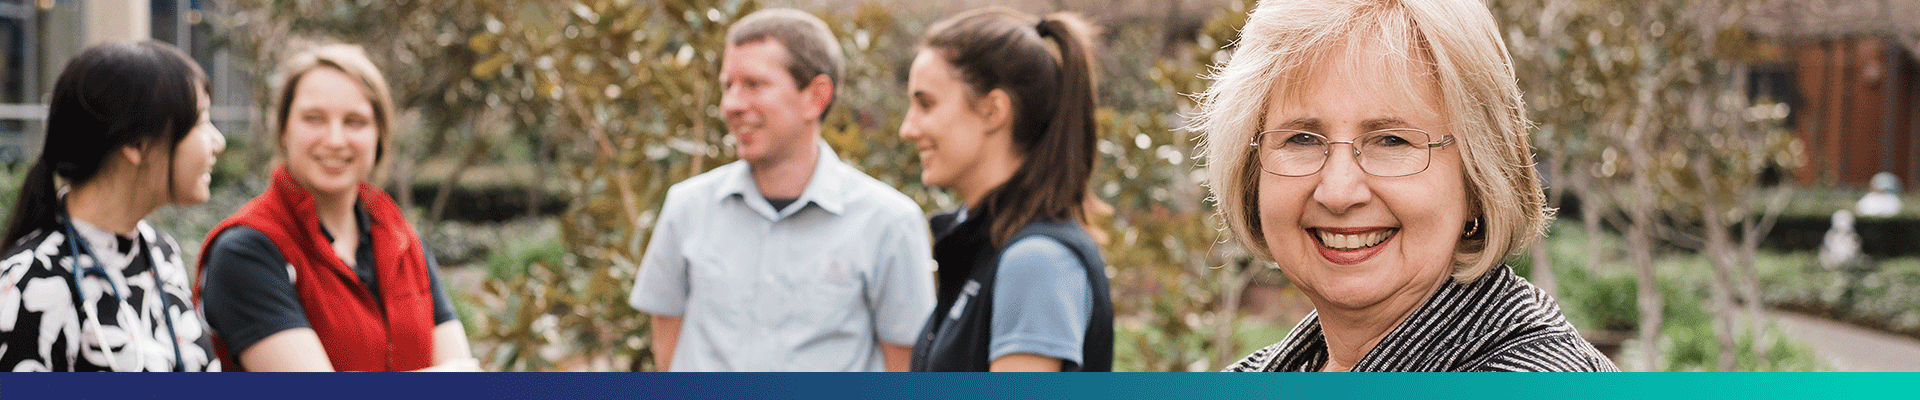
(1384, 153)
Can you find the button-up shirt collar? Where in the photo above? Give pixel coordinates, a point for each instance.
(822, 190)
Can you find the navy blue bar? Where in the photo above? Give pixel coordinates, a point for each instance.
(358, 386)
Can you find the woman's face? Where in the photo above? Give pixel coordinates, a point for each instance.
(193, 159)
(331, 135)
(1355, 241)
(944, 123)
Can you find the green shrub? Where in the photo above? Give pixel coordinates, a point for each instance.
(10, 187)
(513, 258)
(1599, 301)
(1689, 341)
(1605, 298)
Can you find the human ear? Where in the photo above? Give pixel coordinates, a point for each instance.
(997, 108)
(819, 93)
(134, 152)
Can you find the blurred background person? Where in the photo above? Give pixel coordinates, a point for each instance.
(1377, 151)
(87, 284)
(789, 259)
(1006, 121)
(1840, 253)
(1883, 197)
(323, 272)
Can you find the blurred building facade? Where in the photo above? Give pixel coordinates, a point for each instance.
(38, 37)
(1850, 71)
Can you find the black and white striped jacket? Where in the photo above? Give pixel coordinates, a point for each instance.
(1498, 323)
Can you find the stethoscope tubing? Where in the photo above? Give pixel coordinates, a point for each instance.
(84, 263)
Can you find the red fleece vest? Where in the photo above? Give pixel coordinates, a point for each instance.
(356, 333)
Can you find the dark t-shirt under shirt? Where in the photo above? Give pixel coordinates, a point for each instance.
(781, 204)
(249, 294)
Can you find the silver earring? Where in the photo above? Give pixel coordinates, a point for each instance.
(1473, 228)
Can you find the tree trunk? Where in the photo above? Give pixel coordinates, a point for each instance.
(1236, 281)
(445, 192)
(1640, 249)
(403, 182)
(537, 189)
(1641, 219)
(1590, 213)
(1720, 253)
(1751, 234)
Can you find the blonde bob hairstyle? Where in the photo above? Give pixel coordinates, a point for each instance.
(1458, 44)
(352, 61)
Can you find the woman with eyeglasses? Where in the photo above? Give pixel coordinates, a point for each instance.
(87, 284)
(1001, 108)
(1377, 152)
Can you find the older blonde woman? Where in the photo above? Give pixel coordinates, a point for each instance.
(1376, 151)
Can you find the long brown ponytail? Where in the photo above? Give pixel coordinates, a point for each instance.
(1053, 103)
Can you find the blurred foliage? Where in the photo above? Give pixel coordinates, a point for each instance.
(1885, 298)
(428, 51)
(10, 185)
(1594, 70)
(514, 256)
(1622, 88)
(1690, 343)
(1601, 302)
(629, 94)
(399, 35)
(1642, 111)
(633, 125)
(1177, 278)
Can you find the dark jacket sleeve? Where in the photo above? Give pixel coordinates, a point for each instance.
(443, 310)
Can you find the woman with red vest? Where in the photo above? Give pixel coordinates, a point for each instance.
(322, 272)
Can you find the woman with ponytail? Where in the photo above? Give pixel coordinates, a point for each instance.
(87, 284)
(1002, 111)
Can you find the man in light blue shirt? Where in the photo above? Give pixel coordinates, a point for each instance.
(789, 259)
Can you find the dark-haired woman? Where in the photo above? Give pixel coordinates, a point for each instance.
(1002, 112)
(87, 284)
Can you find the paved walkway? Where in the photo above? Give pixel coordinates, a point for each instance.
(1850, 348)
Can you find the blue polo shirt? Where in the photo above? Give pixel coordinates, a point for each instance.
(816, 286)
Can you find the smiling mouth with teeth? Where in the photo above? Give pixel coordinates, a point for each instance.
(1346, 242)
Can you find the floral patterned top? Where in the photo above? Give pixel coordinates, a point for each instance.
(118, 322)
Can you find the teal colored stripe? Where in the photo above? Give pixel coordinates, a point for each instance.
(1425, 386)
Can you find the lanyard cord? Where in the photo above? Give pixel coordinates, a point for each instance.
(83, 254)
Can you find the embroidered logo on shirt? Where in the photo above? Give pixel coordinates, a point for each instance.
(966, 293)
(836, 272)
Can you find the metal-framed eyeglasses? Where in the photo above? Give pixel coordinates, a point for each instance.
(1384, 153)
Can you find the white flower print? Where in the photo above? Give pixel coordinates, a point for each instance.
(36, 295)
(28, 365)
(51, 298)
(11, 271)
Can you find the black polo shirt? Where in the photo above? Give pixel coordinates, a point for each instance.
(249, 293)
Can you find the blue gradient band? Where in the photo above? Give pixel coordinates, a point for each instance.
(357, 386)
